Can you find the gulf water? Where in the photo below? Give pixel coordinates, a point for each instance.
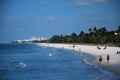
(33, 62)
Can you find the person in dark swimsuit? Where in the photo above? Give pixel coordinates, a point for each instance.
(108, 57)
(100, 60)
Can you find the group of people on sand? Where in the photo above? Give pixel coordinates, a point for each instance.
(118, 52)
(98, 47)
(101, 59)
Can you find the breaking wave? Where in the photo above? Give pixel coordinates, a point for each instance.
(19, 64)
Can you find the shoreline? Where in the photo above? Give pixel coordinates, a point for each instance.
(113, 65)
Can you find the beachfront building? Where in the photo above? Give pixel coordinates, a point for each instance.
(32, 40)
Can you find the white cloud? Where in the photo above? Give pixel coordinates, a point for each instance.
(99, 1)
(49, 19)
(87, 2)
(81, 3)
(8, 18)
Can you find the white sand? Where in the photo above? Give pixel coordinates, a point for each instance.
(114, 62)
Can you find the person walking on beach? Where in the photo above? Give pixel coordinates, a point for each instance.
(98, 47)
(73, 46)
(105, 47)
(100, 59)
(108, 57)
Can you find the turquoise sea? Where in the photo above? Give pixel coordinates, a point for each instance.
(33, 62)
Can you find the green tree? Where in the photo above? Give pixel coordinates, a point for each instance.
(95, 29)
(118, 30)
(98, 36)
(74, 37)
(90, 30)
(67, 39)
(54, 39)
(82, 37)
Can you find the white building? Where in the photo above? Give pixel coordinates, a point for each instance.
(32, 40)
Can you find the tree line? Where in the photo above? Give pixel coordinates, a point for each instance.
(96, 36)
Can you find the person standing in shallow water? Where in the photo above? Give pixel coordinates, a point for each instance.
(100, 60)
(108, 57)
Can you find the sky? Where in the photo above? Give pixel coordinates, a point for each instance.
(23, 19)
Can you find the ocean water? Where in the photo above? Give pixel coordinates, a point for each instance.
(33, 62)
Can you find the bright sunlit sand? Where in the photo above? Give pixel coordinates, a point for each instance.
(113, 65)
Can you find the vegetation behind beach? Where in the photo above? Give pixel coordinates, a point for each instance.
(95, 36)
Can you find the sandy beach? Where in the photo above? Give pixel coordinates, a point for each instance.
(113, 65)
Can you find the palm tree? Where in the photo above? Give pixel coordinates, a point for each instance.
(90, 30)
(95, 29)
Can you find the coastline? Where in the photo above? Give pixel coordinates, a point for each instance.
(113, 65)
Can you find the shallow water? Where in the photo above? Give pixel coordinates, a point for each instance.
(32, 62)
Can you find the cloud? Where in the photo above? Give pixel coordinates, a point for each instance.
(80, 3)
(44, 5)
(8, 18)
(99, 1)
(87, 2)
(49, 19)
